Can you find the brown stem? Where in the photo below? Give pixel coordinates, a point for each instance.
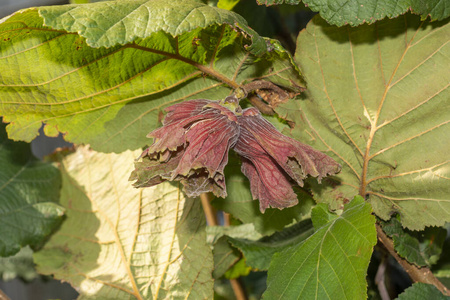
(210, 212)
(3, 296)
(237, 286)
(211, 218)
(263, 85)
(261, 106)
(423, 274)
(380, 280)
(238, 289)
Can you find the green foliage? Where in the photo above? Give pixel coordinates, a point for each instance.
(120, 242)
(177, 52)
(421, 248)
(19, 265)
(259, 253)
(102, 74)
(334, 258)
(227, 4)
(241, 205)
(358, 12)
(29, 192)
(366, 109)
(420, 291)
(225, 256)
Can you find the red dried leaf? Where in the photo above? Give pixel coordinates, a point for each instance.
(276, 158)
(191, 147)
(193, 144)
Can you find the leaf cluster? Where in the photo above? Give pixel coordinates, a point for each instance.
(376, 101)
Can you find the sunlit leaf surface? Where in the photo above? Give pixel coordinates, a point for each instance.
(378, 103)
(358, 12)
(102, 73)
(119, 242)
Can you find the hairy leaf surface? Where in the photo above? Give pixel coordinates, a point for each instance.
(29, 190)
(378, 101)
(330, 261)
(358, 12)
(102, 73)
(119, 242)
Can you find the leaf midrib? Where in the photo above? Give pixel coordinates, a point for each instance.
(374, 122)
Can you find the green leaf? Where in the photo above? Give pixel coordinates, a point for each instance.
(244, 231)
(120, 22)
(241, 205)
(20, 265)
(420, 291)
(321, 215)
(120, 242)
(422, 248)
(358, 12)
(274, 2)
(377, 102)
(29, 190)
(330, 264)
(149, 55)
(258, 254)
(442, 269)
(225, 256)
(239, 269)
(227, 4)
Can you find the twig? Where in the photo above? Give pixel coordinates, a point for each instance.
(210, 213)
(264, 85)
(211, 218)
(423, 274)
(263, 108)
(238, 289)
(380, 280)
(3, 296)
(226, 219)
(237, 286)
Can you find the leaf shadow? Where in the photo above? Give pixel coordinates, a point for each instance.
(373, 33)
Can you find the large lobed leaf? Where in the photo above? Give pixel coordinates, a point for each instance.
(378, 102)
(102, 73)
(124, 243)
(29, 191)
(330, 264)
(368, 11)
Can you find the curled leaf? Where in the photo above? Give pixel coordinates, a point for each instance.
(191, 147)
(272, 159)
